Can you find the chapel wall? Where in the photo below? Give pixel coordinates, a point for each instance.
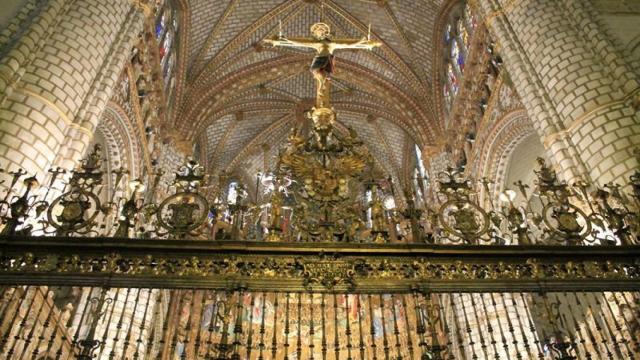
(57, 78)
(574, 84)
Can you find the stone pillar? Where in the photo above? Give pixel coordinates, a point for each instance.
(578, 90)
(57, 72)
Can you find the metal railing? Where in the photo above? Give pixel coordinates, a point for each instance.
(142, 323)
(134, 277)
(73, 204)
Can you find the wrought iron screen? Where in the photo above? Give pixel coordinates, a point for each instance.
(38, 322)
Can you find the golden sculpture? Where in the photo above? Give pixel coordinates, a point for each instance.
(323, 64)
(378, 217)
(323, 163)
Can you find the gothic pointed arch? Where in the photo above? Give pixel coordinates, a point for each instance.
(122, 142)
(502, 149)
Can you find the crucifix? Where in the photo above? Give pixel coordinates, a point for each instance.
(322, 66)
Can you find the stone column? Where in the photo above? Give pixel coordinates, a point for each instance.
(578, 90)
(57, 71)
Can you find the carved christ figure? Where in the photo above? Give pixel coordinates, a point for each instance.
(322, 66)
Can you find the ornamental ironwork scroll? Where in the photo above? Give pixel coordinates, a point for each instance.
(74, 203)
(176, 267)
(554, 213)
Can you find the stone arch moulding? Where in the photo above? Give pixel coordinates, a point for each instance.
(634, 48)
(505, 136)
(121, 140)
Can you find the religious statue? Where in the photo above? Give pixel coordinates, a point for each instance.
(276, 212)
(323, 121)
(323, 163)
(378, 217)
(322, 66)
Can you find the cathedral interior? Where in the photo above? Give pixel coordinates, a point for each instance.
(319, 179)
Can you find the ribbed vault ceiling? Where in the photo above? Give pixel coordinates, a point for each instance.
(236, 95)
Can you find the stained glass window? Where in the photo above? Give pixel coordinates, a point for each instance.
(447, 34)
(463, 34)
(175, 23)
(470, 18)
(368, 197)
(446, 93)
(166, 32)
(453, 80)
(456, 56)
(232, 192)
(421, 169)
(168, 69)
(161, 24)
(457, 36)
(420, 175)
(159, 30)
(166, 45)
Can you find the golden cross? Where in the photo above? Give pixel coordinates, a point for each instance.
(322, 66)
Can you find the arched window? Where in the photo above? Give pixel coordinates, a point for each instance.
(419, 162)
(166, 33)
(457, 39)
(232, 192)
(421, 178)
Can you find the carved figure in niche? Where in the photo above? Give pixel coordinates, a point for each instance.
(276, 212)
(138, 65)
(151, 116)
(141, 85)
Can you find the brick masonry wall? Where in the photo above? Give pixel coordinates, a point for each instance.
(573, 82)
(15, 17)
(618, 19)
(58, 77)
